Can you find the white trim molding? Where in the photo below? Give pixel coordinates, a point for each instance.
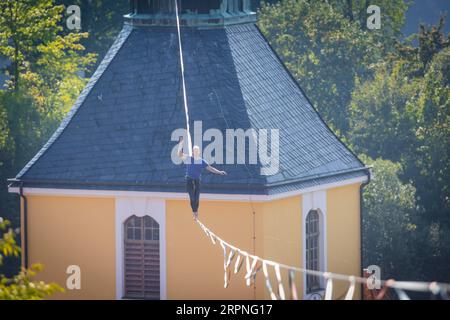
(316, 200)
(140, 207)
(182, 195)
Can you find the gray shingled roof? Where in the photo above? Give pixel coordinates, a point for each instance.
(117, 136)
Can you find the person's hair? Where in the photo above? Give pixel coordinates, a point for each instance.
(196, 147)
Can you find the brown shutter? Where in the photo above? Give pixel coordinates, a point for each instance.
(142, 259)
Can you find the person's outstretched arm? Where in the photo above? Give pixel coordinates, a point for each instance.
(214, 170)
(180, 149)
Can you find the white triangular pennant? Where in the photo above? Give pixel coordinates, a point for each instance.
(281, 293)
(351, 289)
(329, 288)
(292, 285)
(268, 285)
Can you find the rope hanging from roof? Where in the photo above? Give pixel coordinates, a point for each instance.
(186, 110)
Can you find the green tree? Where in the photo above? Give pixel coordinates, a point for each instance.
(27, 27)
(44, 80)
(102, 19)
(23, 24)
(403, 114)
(428, 165)
(21, 286)
(41, 55)
(392, 14)
(390, 222)
(430, 160)
(383, 112)
(325, 50)
(431, 41)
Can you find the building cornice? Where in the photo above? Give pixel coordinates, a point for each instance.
(190, 20)
(181, 195)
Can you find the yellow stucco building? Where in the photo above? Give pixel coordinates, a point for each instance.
(104, 194)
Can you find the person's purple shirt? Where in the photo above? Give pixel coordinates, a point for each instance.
(194, 167)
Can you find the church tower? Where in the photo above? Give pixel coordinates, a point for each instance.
(104, 192)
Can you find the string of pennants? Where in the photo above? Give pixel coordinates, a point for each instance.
(254, 264)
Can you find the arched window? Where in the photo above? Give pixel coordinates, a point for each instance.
(312, 234)
(142, 258)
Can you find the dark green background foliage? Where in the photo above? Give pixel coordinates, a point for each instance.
(384, 94)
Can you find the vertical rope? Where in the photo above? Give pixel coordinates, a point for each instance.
(254, 248)
(186, 110)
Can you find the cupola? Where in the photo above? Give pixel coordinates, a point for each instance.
(201, 13)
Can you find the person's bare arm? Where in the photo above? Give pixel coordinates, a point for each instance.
(214, 170)
(180, 149)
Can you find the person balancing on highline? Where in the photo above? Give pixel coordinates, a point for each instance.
(194, 167)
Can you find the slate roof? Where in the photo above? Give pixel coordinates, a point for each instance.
(117, 135)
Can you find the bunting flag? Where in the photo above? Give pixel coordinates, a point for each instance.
(250, 271)
(231, 256)
(351, 288)
(329, 288)
(238, 264)
(257, 268)
(225, 276)
(292, 285)
(402, 294)
(281, 293)
(213, 238)
(257, 263)
(268, 285)
(226, 267)
(247, 268)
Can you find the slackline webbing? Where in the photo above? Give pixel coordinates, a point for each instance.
(186, 110)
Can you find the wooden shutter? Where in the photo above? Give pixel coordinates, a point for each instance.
(142, 258)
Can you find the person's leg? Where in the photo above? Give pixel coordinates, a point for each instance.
(190, 188)
(196, 197)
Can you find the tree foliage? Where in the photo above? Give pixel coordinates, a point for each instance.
(402, 114)
(102, 19)
(20, 286)
(44, 71)
(382, 112)
(390, 222)
(326, 50)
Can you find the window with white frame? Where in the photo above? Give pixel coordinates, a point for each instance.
(312, 234)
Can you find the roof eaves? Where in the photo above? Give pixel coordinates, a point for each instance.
(236, 188)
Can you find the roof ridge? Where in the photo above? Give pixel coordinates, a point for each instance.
(109, 57)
